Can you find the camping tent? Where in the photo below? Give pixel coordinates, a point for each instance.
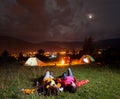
(34, 61)
(86, 59)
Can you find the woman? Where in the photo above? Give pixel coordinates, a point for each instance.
(69, 82)
(48, 85)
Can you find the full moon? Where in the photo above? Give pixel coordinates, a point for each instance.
(90, 16)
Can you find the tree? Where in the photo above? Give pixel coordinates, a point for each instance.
(67, 52)
(41, 52)
(41, 55)
(5, 53)
(20, 57)
(6, 57)
(88, 45)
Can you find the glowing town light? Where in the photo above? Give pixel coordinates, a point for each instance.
(99, 52)
(85, 60)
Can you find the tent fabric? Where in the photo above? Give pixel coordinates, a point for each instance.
(86, 59)
(33, 61)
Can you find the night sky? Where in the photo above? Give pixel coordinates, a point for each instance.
(60, 20)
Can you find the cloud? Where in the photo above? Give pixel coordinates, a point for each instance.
(41, 20)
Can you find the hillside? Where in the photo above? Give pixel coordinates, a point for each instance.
(114, 43)
(16, 45)
(13, 45)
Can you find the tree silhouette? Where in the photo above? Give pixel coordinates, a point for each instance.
(21, 57)
(67, 52)
(41, 52)
(6, 57)
(5, 53)
(41, 55)
(88, 46)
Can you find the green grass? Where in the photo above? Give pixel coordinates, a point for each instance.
(104, 82)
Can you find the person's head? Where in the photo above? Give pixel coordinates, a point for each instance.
(73, 89)
(70, 88)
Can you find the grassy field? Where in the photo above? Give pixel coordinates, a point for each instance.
(104, 82)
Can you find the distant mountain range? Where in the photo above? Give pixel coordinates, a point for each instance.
(16, 45)
(113, 43)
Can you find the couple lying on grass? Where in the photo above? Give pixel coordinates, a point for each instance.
(52, 86)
